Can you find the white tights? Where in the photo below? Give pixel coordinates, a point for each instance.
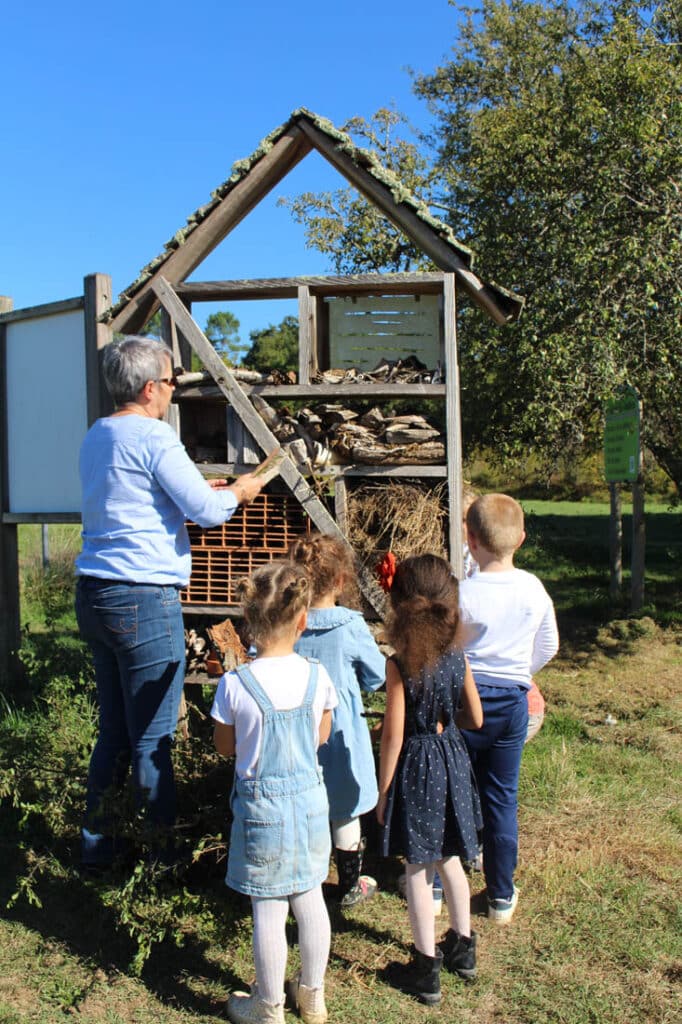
(270, 941)
(346, 834)
(419, 889)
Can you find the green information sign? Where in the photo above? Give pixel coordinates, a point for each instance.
(621, 437)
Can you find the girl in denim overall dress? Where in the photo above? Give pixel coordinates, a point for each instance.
(340, 638)
(273, 714)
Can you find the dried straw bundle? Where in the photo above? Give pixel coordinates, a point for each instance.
(405, 518)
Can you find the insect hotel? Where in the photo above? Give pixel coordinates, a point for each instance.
(372, 338)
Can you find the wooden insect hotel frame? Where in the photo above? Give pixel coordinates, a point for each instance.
(329, 309)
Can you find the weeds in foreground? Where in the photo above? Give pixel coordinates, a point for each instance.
(600, 831)
(596, 939)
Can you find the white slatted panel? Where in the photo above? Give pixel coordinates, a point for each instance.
(364, 330)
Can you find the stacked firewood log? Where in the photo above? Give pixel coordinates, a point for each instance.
(214, 650)
(330, 432)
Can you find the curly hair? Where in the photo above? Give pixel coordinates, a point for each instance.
(272, 598)
(325, 559)
(424, 613)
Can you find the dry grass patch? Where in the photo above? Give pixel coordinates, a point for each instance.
(405, 518)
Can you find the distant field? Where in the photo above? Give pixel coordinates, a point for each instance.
(567, 545)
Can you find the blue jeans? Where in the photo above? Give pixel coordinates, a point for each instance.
(136, 635)
(495, 752)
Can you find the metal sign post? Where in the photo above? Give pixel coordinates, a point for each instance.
(623, 464)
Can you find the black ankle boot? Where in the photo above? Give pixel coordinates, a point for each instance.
(459, 954)
(420, 978)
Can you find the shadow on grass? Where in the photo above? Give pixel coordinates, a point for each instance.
(74, 914)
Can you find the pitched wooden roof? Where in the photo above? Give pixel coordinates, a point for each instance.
(251, 179)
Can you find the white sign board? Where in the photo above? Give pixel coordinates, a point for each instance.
(47, 415)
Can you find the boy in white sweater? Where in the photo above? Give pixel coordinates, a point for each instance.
(508, 632)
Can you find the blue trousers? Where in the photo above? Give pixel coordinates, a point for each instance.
(136, 635)
(495, 752)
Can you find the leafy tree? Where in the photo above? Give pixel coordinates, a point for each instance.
(274, 347)
(558, 158)
(152, 329)
(354, 233)
(222, 330)
(559, 130)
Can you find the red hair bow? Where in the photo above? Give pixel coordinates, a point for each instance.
(385, 570)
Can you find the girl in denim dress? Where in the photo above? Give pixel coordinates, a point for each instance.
(340, 639)
(428, 804)
(273, 714)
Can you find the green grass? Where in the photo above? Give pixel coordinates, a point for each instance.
(567, 545)
(597, 934)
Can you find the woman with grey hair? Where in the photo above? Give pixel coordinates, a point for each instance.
(138, 488)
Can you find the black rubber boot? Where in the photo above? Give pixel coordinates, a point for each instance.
(348, 865)
(420, 978)
(353, 887)
(459, 954)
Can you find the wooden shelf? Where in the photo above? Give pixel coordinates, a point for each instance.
(342, 470)
(321, 392)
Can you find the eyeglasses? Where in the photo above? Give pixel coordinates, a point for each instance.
(178, 371)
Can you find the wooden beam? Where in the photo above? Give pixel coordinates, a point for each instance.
(239, 401)
(239, 201)
(500, 307)
(453, 428)
(336, 472)
(321, 392)
(9, 316)
(97, 298)
(287, 287)
(341, 503)
(40, 517)
(10, 618)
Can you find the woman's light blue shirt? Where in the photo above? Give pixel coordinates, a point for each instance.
(340, 639)
(138, 488)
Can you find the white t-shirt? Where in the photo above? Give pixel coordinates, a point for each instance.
(508, 626)
(285, 680)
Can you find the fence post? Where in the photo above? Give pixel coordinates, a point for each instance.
(638, 545)
(615, 543)
(97, 299)
(10, 619)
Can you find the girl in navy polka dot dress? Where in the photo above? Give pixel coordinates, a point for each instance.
(428, 802)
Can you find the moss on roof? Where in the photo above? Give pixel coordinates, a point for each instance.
(361, 157)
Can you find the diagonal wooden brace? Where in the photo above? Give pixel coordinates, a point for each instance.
(240, 402)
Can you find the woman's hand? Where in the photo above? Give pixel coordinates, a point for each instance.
(381, 808)
(246, 487)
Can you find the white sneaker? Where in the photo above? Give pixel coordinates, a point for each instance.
(308, 1001)
(249, 1008)
(502, 911)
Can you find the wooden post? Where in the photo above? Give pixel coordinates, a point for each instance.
(10, 619)
(97, 295)
(307, 342)
(453, 428)
(615, 543)
(638, 546)
(169, 334)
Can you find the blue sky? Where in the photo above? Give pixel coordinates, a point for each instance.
(118, 121)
